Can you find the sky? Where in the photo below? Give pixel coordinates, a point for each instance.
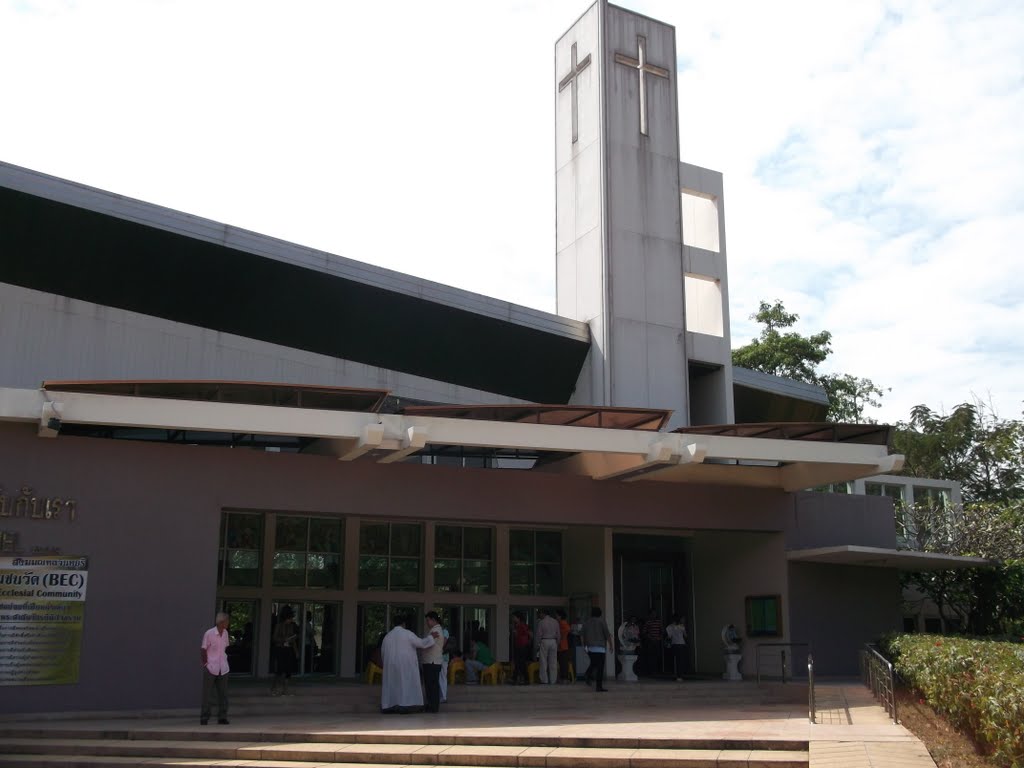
(873, 152)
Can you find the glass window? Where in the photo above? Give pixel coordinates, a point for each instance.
(764, 616)
(894, 492)
(241, 548)
(307, 552)
(463, 559)
(936, 498)
(390, 556)
(535, 562)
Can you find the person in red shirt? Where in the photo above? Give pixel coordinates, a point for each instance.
(522, 642)
(563, 646)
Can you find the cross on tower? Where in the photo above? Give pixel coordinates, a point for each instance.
(570, 81)
(640, 64)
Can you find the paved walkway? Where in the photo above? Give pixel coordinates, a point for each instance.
(852, 730)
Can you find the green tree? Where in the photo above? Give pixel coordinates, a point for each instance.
(972, 445)
(781, 351)
(985, 454)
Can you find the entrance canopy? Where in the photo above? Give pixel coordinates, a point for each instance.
(621, 452)
(878, 557)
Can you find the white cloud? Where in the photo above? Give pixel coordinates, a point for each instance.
(872, 150)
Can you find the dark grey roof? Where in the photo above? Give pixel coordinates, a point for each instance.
(72, 240)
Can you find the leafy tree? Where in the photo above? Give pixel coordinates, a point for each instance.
(971, 445)
(987, 600)
(783, 352)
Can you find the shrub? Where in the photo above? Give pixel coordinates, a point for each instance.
(977, 684)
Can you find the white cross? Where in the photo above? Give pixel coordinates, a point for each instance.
(570, 81)
(640, 64)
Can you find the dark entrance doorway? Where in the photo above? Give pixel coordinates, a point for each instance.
(653, 583)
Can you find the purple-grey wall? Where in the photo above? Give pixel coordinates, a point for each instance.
(148, 521)
(829, 519)
(838, 608)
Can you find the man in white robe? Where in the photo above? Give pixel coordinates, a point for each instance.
(401, 690)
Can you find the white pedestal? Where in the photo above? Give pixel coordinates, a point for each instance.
(627, 660)
(732, 663)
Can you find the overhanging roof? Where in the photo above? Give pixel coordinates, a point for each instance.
(877, 557)
(72, 240)
(609, 417)
(868, 434)
(600, 453)
(762, 397)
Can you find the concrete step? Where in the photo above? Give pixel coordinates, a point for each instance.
(236, 733)
(68, 753)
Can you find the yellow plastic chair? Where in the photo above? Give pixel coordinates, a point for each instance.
(456, 671)
(492, 675)
(533, 672)
(373, 674)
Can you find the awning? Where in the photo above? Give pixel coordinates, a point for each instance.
(878, 557)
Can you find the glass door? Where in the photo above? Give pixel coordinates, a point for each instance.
(244, 620)
(318, 625)
(375, 620)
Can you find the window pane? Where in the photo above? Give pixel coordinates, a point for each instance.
(324, 535)
(446, 575)
(478, 543)
(289, 569)
(405, 539)
(549, 546)
(520, 545)
(243, 568)
(323, 571)
(373, 572)
(405, 573)
(373, 539)
(244, 531)
(521, 579)
(549, 579)
(448, 541)
(477, 576)
(291, 534)
(872, 489)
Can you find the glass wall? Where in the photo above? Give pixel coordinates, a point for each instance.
(241, 549)
(390, 556)
(463, 559)
(307, 552)
(535, 562)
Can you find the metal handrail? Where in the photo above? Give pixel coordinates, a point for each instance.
(782, 656)
(877, 673)
(810, 689)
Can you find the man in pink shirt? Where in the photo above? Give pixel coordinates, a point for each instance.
(215, 669)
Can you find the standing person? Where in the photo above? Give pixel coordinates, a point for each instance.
(548, 633)
(653, 635)
(430, 657)
(564, 630)
(286, 651)
(676, 632)
(445, 659)
(400, 689)
(213, 652)
(596, 639)
(521, 639)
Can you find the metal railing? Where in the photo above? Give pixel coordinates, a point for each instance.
(878, 675)
(810, 689)
(783, 666)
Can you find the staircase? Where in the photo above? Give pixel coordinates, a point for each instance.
(339, 724)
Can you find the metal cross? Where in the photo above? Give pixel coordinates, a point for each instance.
(570, 81)
(640, 64)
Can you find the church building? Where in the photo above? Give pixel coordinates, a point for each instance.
(196, 418)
